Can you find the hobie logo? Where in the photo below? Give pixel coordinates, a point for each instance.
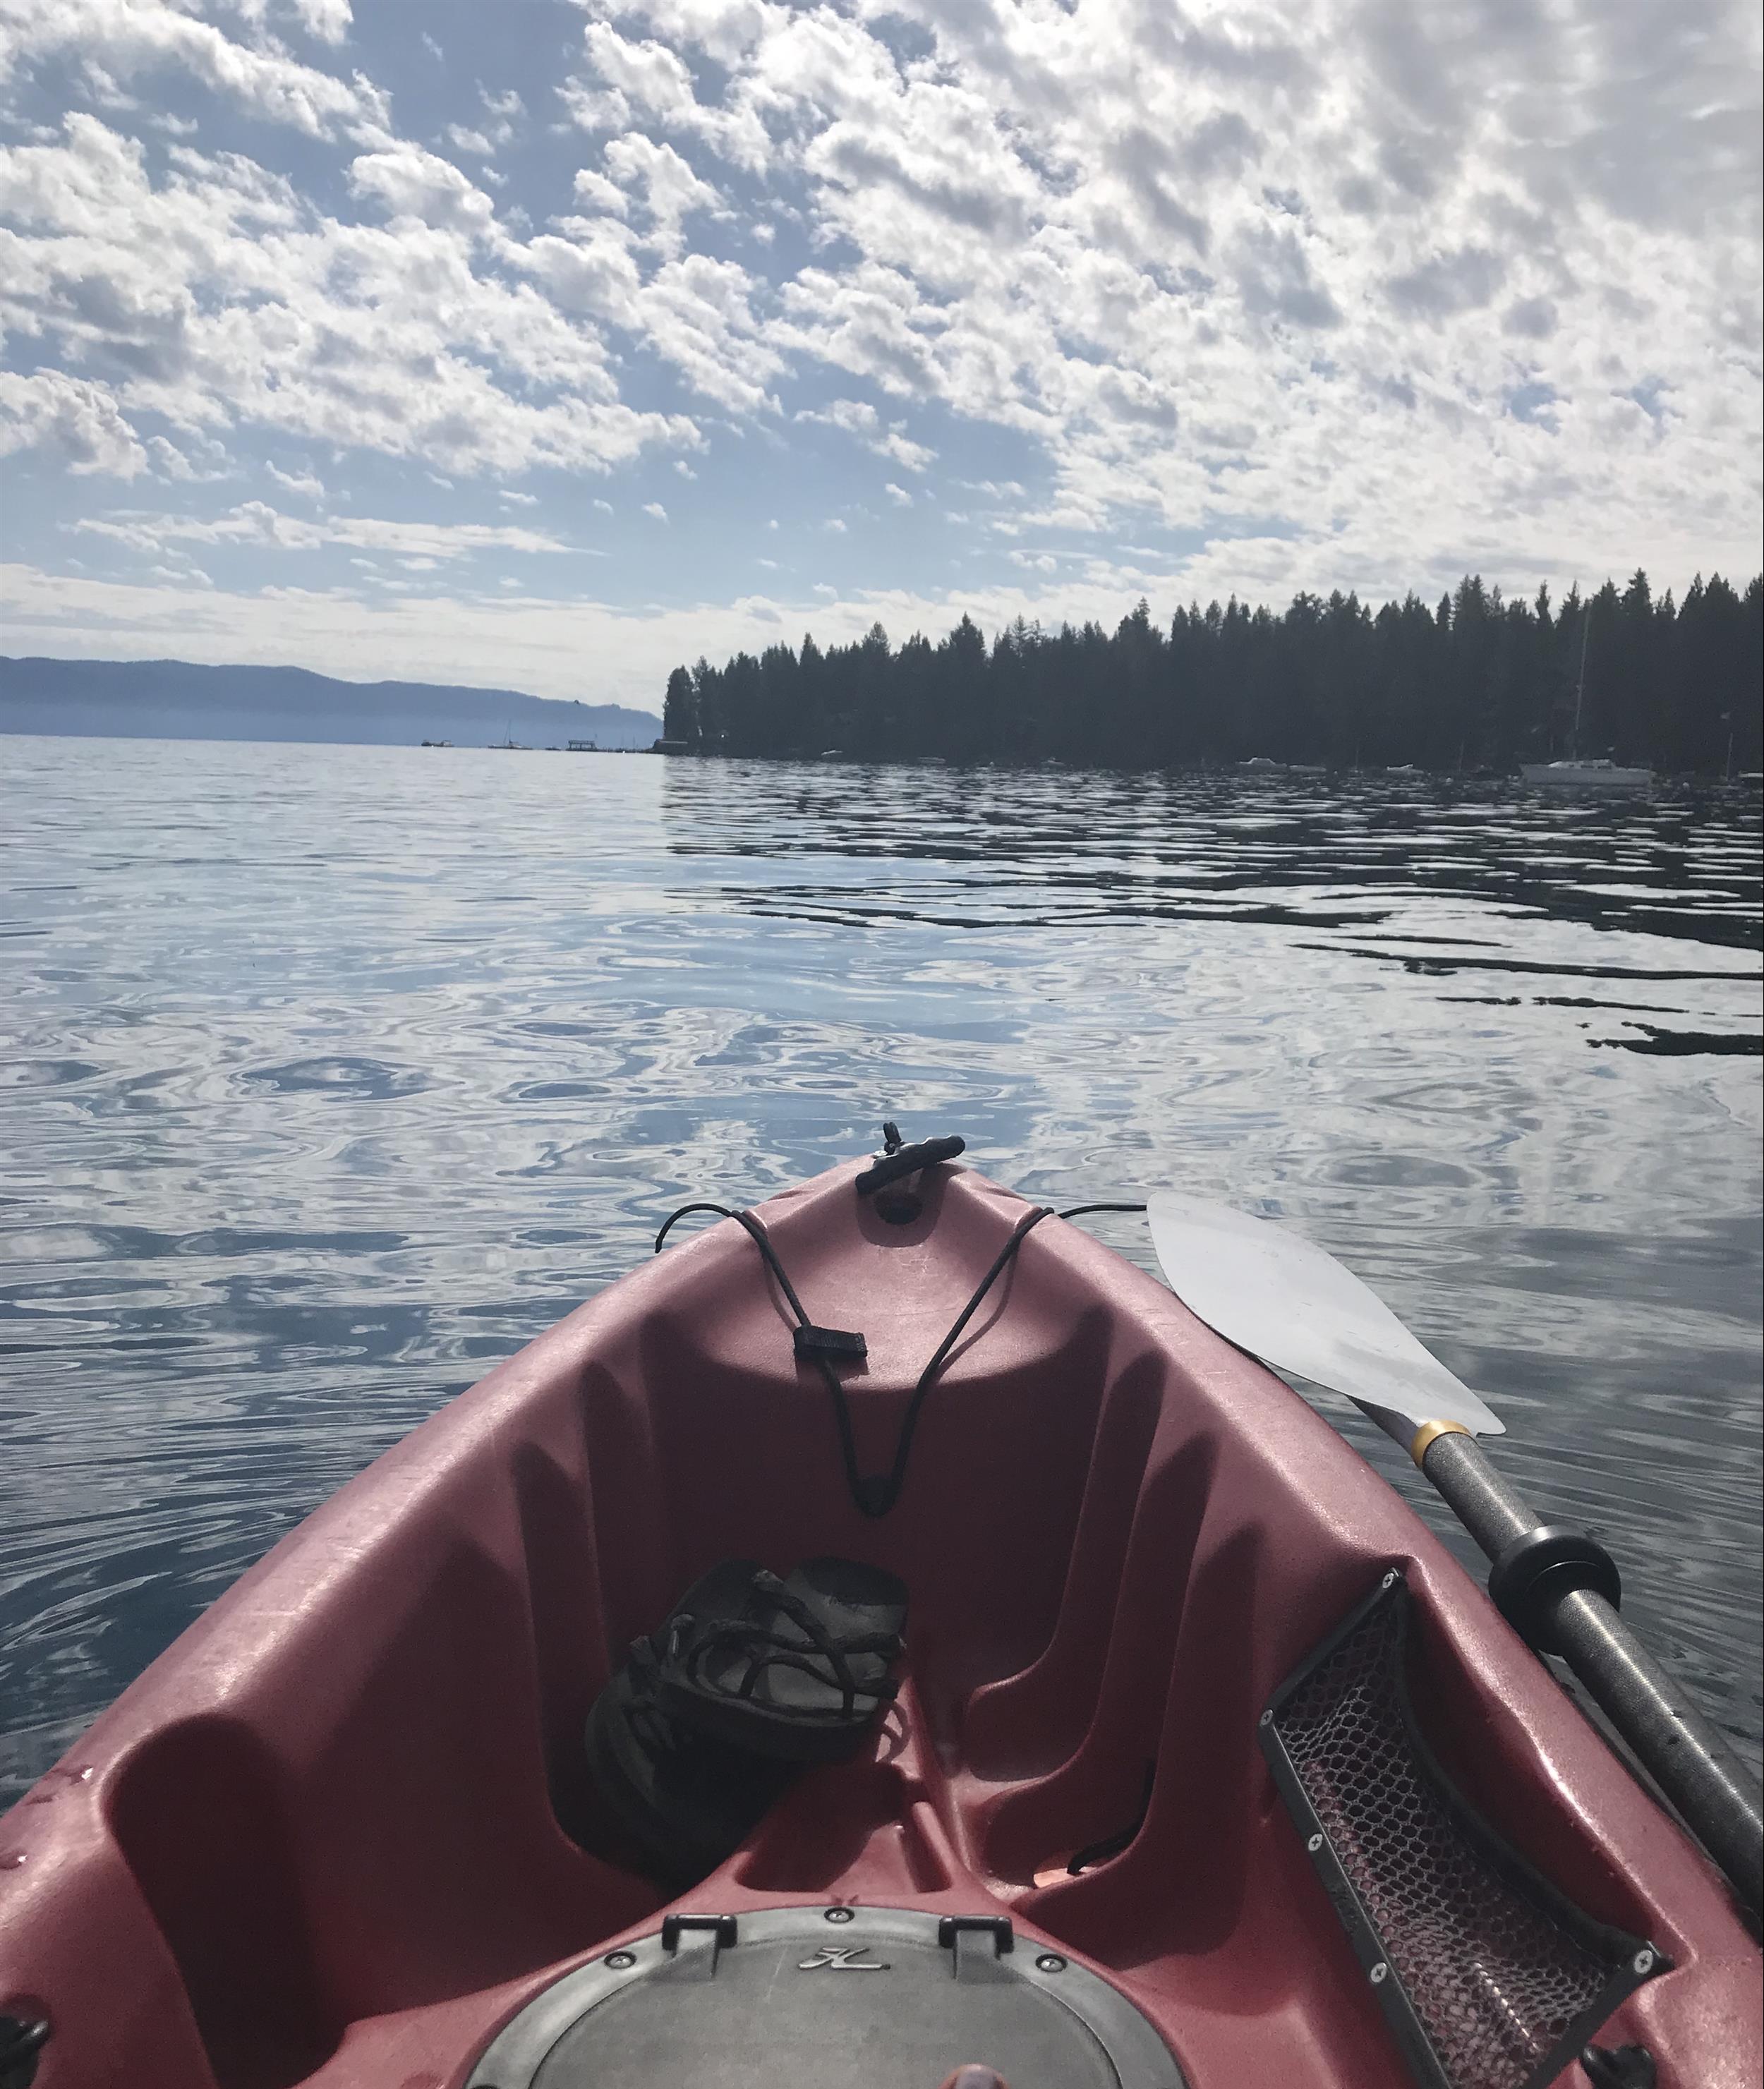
(837, 1958)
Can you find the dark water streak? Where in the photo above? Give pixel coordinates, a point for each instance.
(329, 1075)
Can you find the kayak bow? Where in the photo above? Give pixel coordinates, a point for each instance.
(1201, 1765)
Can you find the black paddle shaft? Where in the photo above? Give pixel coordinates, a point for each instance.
(1680, 1749)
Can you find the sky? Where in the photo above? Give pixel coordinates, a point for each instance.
(546, 344)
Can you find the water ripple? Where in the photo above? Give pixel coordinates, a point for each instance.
(301, 1138)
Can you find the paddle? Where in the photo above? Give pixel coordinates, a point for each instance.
(1294, 1306)
(1288, 1302)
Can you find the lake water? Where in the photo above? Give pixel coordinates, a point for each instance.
(330, 1075)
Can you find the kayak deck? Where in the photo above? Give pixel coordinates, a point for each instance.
(344, 1831)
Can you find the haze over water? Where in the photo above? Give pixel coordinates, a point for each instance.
(330, 1075)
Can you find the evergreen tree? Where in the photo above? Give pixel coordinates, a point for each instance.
(680, 711)
(1478, 681)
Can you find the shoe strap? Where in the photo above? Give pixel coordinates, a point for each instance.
(691, 1641)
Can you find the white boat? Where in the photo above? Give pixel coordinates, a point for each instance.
(1596, 774)
(1599, 775)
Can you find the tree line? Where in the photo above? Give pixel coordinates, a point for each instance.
(1477, 682)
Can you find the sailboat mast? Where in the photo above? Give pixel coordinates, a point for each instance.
(1580, 686)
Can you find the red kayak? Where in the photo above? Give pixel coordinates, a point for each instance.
(1204, 1763)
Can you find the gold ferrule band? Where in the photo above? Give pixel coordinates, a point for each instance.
(1430, 1433)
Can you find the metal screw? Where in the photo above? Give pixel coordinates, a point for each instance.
(1315, 1844)
(1389, 1580)
(1379, 1971)
(621, 1962)
(1643, 1961)
(839, 1915)
(1050, 1961)
(1266, 1719)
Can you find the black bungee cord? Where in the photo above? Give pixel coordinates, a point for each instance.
(876, 1494)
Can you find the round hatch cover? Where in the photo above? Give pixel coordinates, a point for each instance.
(827, 1998)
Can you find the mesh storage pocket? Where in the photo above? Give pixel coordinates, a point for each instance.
(1490, 1978)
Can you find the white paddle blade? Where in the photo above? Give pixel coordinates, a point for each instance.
(1288, 1302)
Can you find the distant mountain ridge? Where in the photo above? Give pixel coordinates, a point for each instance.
(178, 699)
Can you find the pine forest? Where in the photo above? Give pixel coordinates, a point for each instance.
(1477, 683)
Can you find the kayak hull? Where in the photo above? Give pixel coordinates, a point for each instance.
(341, 1832)
(1586, 775)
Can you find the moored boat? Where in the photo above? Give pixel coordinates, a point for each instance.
(1595, 775)
(1208, 1764)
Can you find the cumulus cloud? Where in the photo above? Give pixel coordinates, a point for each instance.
(646, 73)
(305, 482)
(71, 419)
(328, 20)
(137, 39)
(704, 317)
(645, 80)
(215, 296)
(415, 184)
(858, 417)
(662, 183)
(855, 416)
(193, 459)
(495, 127)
